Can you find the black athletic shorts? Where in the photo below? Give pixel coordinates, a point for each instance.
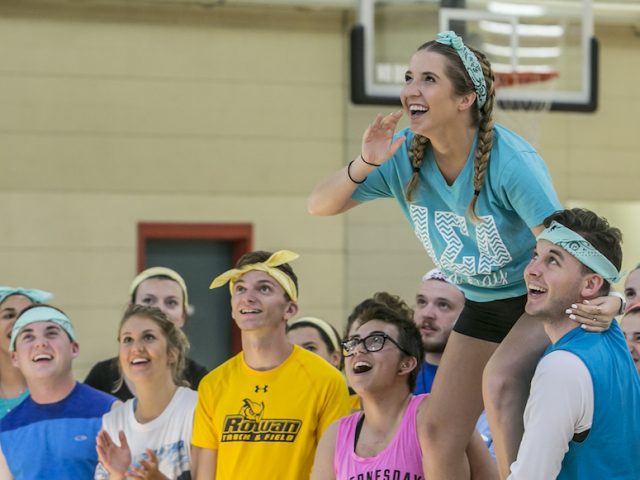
(490, 321)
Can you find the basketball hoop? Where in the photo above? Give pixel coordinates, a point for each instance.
(523, 114)
(508, 79)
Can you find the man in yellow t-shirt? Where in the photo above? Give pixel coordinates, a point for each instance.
(260, 414)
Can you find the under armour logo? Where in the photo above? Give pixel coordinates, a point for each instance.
(259, 388)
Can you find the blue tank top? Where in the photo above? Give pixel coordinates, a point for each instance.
(426, 375)
(612, 448)
(55, 440)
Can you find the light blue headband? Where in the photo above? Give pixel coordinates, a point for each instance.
(437, 274)
(42, 313)
(470, 62)
(35, 295)
(580, 248)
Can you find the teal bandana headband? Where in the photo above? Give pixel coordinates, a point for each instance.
(470, 62)
(36, 296)
(577, 246)
(42, 313)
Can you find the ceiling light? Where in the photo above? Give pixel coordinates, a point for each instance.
(500, 28)
(520, 9)
(522, 52)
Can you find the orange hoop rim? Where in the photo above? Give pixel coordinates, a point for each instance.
(510, 79)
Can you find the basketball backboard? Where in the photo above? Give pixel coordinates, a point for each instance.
(542, 53)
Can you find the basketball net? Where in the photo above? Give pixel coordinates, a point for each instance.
(524, 116)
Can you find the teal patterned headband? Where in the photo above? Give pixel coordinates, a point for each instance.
(42, 313)
(580, 248)
(35, 295)
(470, 62)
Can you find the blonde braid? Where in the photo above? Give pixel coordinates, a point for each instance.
(416, 156)
(485, 137)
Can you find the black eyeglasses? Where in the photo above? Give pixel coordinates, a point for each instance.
(372, 343)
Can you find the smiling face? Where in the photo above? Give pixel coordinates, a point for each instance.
(428, 96)
(377, 371)
(631, 328)
(11, 309)
(258, 302)
(438, 306)
(164, 294)
(632, 287)
(555, 279)
(144, 354)
(44, 351)
(310, 339)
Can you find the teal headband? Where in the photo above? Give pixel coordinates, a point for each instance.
(36, 296)
(580, 248)
(42, 313)
(470, 62)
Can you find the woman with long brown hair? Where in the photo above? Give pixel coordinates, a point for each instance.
(475, 193)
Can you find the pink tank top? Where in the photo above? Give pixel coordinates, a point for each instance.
(400, 460)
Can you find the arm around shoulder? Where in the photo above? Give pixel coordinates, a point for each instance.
(323, 463)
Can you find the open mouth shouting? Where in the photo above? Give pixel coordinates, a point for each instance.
(417, 111)
(361, 367)
(535, 291)
(42, 357)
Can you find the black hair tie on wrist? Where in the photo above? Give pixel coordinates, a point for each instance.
(369, 163)
(350, 177)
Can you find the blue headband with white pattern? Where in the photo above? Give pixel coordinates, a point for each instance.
(470, 62)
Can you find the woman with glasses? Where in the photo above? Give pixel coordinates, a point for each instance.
(385, 439)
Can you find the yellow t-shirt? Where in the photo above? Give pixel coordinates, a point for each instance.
(268, 424)
(354, 403)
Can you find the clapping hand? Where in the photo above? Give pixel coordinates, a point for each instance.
(148, 469)
(115, 459)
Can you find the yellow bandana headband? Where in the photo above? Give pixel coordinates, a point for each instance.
(268, 266)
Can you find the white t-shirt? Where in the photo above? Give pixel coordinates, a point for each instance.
(560, 405)
(169, 435)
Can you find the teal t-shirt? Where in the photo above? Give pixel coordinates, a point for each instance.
(486, 260)
(8, 404)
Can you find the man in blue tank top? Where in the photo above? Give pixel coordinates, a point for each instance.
(52, 433)
(582, 419)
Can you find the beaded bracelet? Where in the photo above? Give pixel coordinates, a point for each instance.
(349, 174)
